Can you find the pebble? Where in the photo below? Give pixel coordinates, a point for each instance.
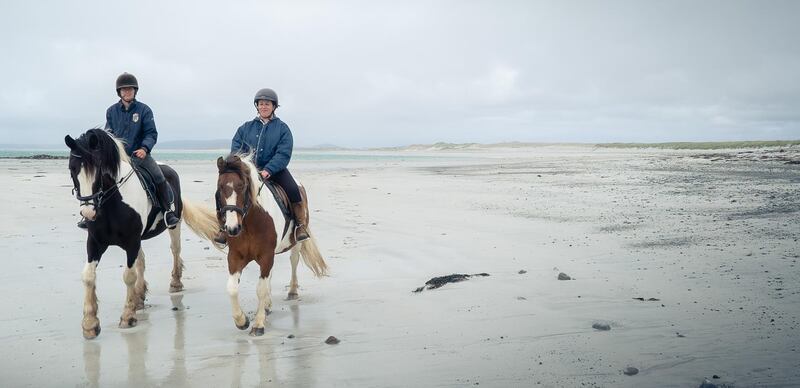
(522, 271)
(707, 384)
(601, 326)
(290, 336)
(630, 371)
(332, 340)
(563, 276)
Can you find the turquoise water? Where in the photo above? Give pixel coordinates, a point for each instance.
(298, 155)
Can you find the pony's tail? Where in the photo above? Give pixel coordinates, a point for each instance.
(312, 258)
(202, 221)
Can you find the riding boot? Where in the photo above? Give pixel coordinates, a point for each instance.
(300, 222)
(165, 197)
(221, 238)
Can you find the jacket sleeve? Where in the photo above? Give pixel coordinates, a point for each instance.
(238, 146)
(149, 129)
(283, 152)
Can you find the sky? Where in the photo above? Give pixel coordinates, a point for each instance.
(381, 73)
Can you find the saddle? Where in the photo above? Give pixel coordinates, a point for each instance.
(148, 185)
(283, 203)
(281, 198)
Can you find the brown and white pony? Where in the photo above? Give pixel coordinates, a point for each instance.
(257, 231)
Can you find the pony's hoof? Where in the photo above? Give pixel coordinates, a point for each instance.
(292, 296)
(246, 324)
(257, 331)
(176, 287)
(91, 333)
(131, 322)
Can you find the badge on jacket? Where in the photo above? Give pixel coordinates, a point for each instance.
(135, 117)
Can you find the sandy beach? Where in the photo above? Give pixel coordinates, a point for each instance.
(707, 241)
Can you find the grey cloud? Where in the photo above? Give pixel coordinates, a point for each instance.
(373, 73)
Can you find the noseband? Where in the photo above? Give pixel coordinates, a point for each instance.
(221, 210)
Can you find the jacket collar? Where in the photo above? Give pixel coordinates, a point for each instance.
(274, 118)
(131, 107)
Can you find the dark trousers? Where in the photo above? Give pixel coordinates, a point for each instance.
(149, 164)
(163, 191)
(284, 179)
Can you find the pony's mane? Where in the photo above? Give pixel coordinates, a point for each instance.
(245, 161)
(109, 153)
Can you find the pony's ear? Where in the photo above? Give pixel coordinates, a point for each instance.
(220, 164)
(93, 142)
(70, 142)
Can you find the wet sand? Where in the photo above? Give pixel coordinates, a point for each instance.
(713, 236)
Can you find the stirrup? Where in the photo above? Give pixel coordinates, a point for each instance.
(171, 225)
(220, 239)
(300, 233)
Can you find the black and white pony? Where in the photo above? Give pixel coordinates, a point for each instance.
(112, 197)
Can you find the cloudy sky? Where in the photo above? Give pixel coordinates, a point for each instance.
(373, 73)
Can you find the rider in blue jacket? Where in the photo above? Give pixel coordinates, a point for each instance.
(132, 122)
(270, 141)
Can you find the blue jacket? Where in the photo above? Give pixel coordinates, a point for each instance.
(135, 126)
(270, 143)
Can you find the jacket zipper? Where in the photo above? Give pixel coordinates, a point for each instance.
(258, 143)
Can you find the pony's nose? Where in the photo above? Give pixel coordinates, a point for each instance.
(234, 231)
(88, 212)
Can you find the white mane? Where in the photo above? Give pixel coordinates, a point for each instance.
(255, 177)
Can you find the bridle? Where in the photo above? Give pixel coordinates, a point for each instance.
(97, 199)
(248, 202)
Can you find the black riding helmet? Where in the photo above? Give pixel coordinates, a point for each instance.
(127, 80)
(266, 94)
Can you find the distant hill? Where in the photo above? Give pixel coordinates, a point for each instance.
(712, 145)
(224, 144)
(61, 146)
(215, 144)
(442, 146)
(324, 147)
